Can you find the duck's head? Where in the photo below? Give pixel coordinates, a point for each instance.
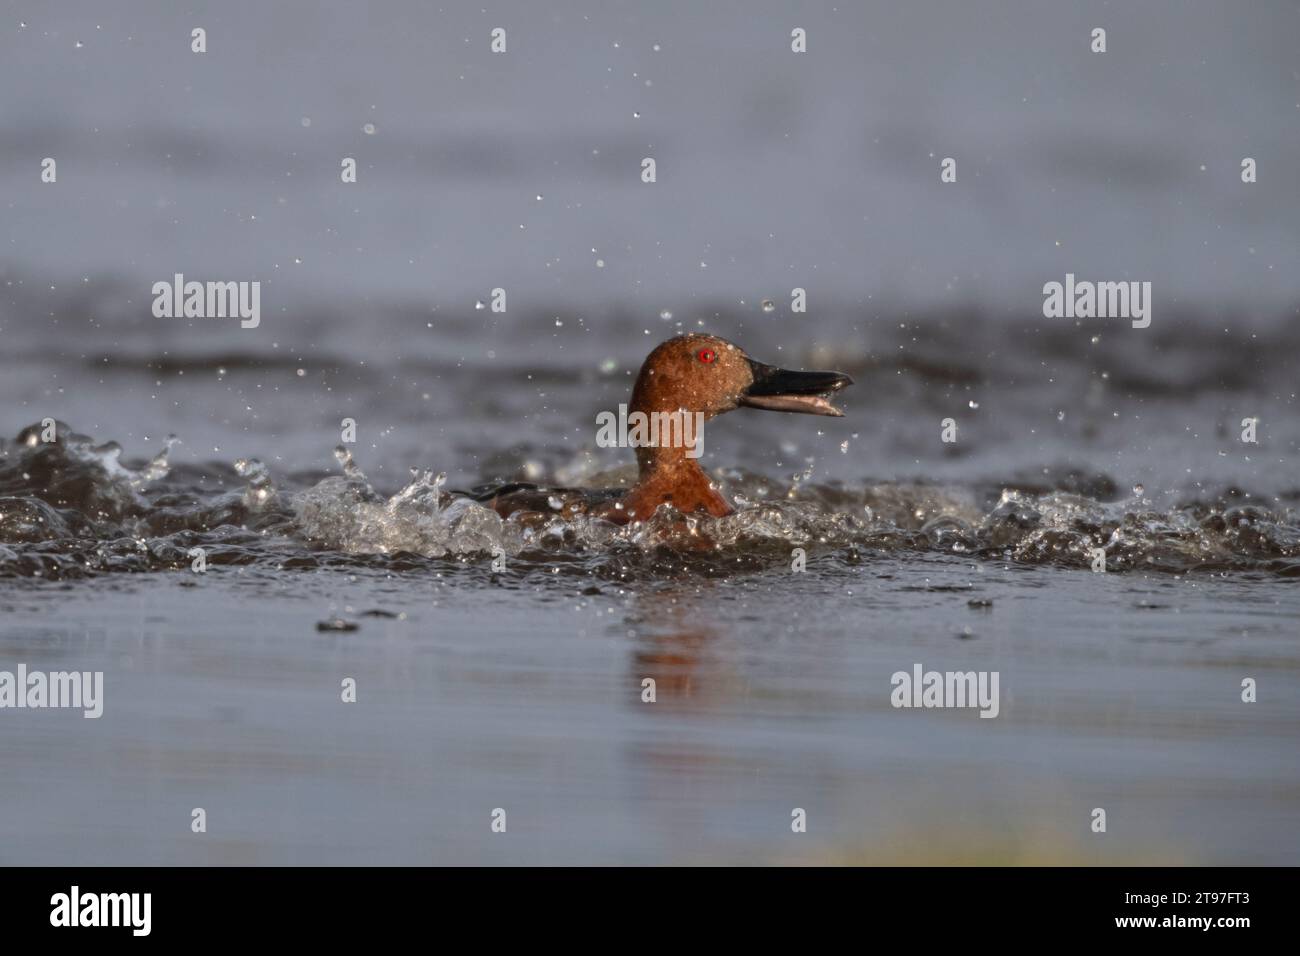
(703, 373)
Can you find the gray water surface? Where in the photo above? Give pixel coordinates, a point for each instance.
(521, 689)
(526, 696)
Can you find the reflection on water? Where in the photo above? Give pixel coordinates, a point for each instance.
(670, 646)
(221, 693)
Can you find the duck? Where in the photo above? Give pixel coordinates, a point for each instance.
(697, 374)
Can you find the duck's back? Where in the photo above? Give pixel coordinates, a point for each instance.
(507, 498)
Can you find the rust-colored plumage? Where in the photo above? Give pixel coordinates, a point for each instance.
(687, 374)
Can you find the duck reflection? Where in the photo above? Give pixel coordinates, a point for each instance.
(672, 661)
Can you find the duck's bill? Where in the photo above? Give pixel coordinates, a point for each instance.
(782, 390)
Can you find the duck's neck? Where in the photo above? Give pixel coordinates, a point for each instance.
(667, 475)
(668, 461)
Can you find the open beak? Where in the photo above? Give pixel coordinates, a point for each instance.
(782, 390)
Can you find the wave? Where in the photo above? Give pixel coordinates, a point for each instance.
(71, 508)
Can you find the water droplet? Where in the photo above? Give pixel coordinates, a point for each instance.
(636, 115)
(305, 121)
(666, 315)
(79, 44)
(556, 503)
(301, 372)
(608, 366)
(973, 404)
(478, 305)
(1060, 416)
(368, 129)
(1138, 489)
(769, 305)
(844, 447)
(1096, 339)
(539, 197)
(600, 263)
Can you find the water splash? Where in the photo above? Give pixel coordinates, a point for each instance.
(71, 507)
(260, 491)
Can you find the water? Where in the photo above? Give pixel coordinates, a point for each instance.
(521, 688)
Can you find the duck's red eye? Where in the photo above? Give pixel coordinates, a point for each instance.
(708, 356)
